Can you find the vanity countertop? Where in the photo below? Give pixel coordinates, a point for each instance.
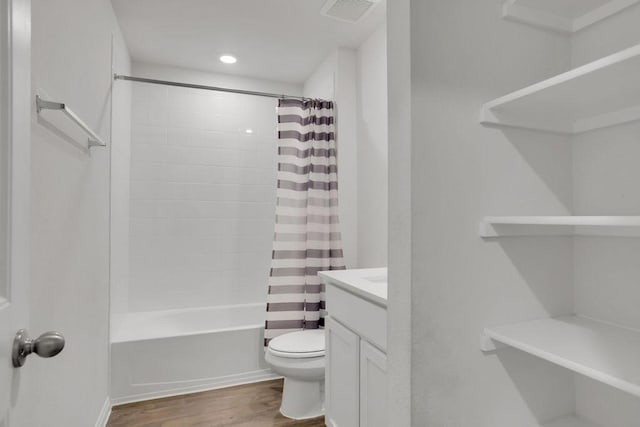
(368, 283)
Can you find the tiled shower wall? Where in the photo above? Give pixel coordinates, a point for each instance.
(202, 197)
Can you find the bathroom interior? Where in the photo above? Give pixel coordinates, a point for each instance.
(376, 213)
(195, 188)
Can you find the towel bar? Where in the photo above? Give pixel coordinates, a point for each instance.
(94, 139)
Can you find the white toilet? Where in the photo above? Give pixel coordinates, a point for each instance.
(299, 358)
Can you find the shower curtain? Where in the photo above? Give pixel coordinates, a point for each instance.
(306, 239)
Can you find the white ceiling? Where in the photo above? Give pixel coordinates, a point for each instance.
(281, 40)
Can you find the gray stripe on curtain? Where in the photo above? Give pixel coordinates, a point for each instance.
(309, 185)
(307, 236)
(306, 153)
(292, 324)
(303, 203)
(304, 137)
(304, 170)
(292, 118)
(293, 306)
(309, 253)
(297, 271)
(316, 104)
(311, 219)
(293, 289)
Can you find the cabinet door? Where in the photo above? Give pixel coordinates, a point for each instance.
(373, 386)
(341, 376)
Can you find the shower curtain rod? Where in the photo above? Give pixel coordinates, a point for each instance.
(204, 87)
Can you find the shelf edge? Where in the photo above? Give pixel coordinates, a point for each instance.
(568, 421)
(617, 383)
(493, 112)
(600, 14)
(514, 226)
(539, 18)
(492, 119)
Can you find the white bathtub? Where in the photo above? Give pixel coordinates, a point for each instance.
(164, 353)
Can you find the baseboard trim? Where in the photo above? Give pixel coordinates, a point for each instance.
(265, 375)
(105, 412)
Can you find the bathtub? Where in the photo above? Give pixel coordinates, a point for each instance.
(165, 353)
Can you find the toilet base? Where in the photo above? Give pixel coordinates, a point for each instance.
(302, 400)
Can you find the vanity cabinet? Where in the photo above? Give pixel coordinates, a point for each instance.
(373, 386)
(356, 380)
(356, 361)
(342, 375)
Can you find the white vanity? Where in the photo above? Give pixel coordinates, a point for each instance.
(356, 344)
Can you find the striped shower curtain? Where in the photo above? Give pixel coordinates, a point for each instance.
(307, 238)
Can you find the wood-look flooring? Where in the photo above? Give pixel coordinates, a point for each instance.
(251, 405)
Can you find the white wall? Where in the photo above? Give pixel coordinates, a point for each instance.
(120, 184)
(462, 55)
(372, 156)
(399, 327)
(335, 79)
(357, 81)
(202, 191)
(4, 152)
(321, 83)
(71, 62)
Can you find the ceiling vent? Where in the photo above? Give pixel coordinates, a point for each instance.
(347, 10)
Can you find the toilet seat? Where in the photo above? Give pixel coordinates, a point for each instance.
(299, 345)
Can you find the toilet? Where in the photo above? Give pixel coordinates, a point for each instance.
(299, 358)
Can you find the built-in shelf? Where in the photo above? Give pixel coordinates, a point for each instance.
(599, 94)
(600, 351)
(570, 421)
(501, 226)
(565, 16)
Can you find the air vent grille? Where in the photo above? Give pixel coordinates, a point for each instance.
(347, 10)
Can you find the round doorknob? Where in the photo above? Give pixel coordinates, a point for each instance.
(48, 344)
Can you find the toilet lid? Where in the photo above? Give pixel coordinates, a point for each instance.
(301, 344)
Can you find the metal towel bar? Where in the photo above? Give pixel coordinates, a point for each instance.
(94, 139)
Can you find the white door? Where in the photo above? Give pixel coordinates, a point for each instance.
(15, 110)
(341, 376)
(373, 386)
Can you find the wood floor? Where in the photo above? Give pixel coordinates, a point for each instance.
(251, 405)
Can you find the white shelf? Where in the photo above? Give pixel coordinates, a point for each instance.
(605, 353)
(565, 16)
(570, 421)
(500, 226)
(597, 95)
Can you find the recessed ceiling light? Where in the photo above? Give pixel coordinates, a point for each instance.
(228, 59)
(249, 131)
